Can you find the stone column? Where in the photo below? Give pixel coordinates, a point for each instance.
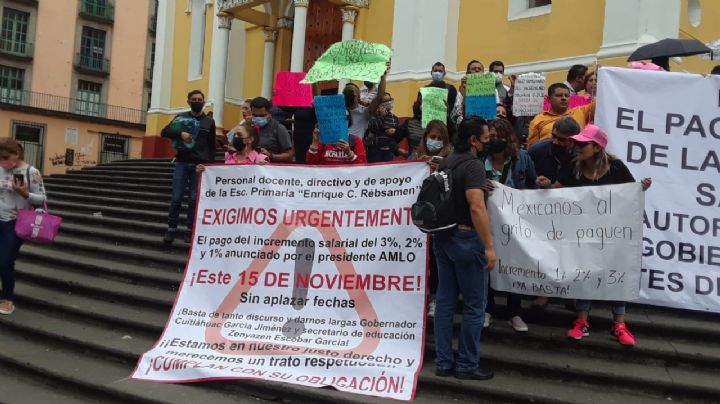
(349, 13)
(218, 66)
(268, 61)
(297, 57)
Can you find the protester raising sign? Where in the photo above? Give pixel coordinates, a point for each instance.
(480, 97)
(332, 118)
(573, 243)
(290, 92)
(353, 59)
(434, 104)
(304, 275)
(666, 126)
(529, 94)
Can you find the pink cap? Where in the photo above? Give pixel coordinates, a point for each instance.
(645, 66)
(592, 133)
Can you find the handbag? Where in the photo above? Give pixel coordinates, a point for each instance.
(37, 226)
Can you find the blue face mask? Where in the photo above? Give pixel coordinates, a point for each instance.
(260, 121)
(433, 145)
(437, 76)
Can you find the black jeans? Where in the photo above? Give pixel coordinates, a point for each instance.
(9, 248)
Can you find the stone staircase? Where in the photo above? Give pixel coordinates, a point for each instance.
(92, 302)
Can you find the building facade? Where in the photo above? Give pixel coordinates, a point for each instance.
(75, 79)
(231, 49)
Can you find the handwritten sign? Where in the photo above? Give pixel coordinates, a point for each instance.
(575, 101)
(353, 59)
(480, 84)
(573, 243)
(290, 92)
(529, 94)
(483, 106)
(434, 104)
(332, 118)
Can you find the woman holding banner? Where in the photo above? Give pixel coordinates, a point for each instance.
(507, 164)
(594, 166)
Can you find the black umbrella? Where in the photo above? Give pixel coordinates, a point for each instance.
(668, 48)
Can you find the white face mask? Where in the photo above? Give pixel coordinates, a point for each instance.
(498, 77)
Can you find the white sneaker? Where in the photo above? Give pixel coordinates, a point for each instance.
(518, 324)
(431, 308)
(6, 307)
(488, 320)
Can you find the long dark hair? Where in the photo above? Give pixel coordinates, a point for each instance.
(442, 128)
(505, 131)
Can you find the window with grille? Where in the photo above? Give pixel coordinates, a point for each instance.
(113, 147)
(89, 98)
(538, 3)
(92, 48)
(95, 7)
(30, 136)
(11, 84)
(14, 31)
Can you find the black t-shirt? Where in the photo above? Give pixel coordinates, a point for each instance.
(468, 172)
(618, 174)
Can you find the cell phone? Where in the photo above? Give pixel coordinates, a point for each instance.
(19, 178)
(436, 159)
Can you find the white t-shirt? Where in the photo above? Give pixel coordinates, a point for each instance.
(360, 119)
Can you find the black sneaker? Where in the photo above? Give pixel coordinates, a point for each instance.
(169, 236)
(187, 238)
(480, 373)
(443, 372)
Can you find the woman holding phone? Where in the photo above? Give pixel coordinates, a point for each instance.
(434, 144)
(21, 187)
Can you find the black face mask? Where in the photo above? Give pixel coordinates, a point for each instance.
(197, 106)
(496, 146)
(238, 144)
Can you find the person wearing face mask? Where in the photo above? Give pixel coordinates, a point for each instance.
(21, 187)
(380, 140)
(437, 74)
(511, 166)
(242, 147)
(275, 141)
(497, 68)
(552, 155)
(464, 258)
(360, 115)
(458, 110)
(200, 149)
(368, 93)
(433, 147)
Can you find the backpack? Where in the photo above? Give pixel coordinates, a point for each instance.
(434, 210)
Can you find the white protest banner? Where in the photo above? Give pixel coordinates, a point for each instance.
(573, 243)
(299, 274)
(529, 94)
(667, 126)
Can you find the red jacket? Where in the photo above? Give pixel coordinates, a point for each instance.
(332, 154)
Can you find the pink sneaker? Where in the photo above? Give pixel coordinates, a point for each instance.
(580, 329)
(622, 334)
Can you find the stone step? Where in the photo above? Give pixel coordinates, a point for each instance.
(108, 183)
(87, 284)
(115, 202)
(54, 187)
(118, 178)
(138, 175)
(121, 225)
(170, 261)
(101, 267)
(157, 215)
(150, 240)
(160, 169)
(124, 346)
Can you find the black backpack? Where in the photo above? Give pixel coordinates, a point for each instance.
(434, 211)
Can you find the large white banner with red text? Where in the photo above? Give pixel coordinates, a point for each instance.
(306, 275)
(667, 126)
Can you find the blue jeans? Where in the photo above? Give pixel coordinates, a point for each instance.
(379, 156)
(184, 177)
(461, 269)
(9, 248)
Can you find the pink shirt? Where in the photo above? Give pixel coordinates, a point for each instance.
(252, 158)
